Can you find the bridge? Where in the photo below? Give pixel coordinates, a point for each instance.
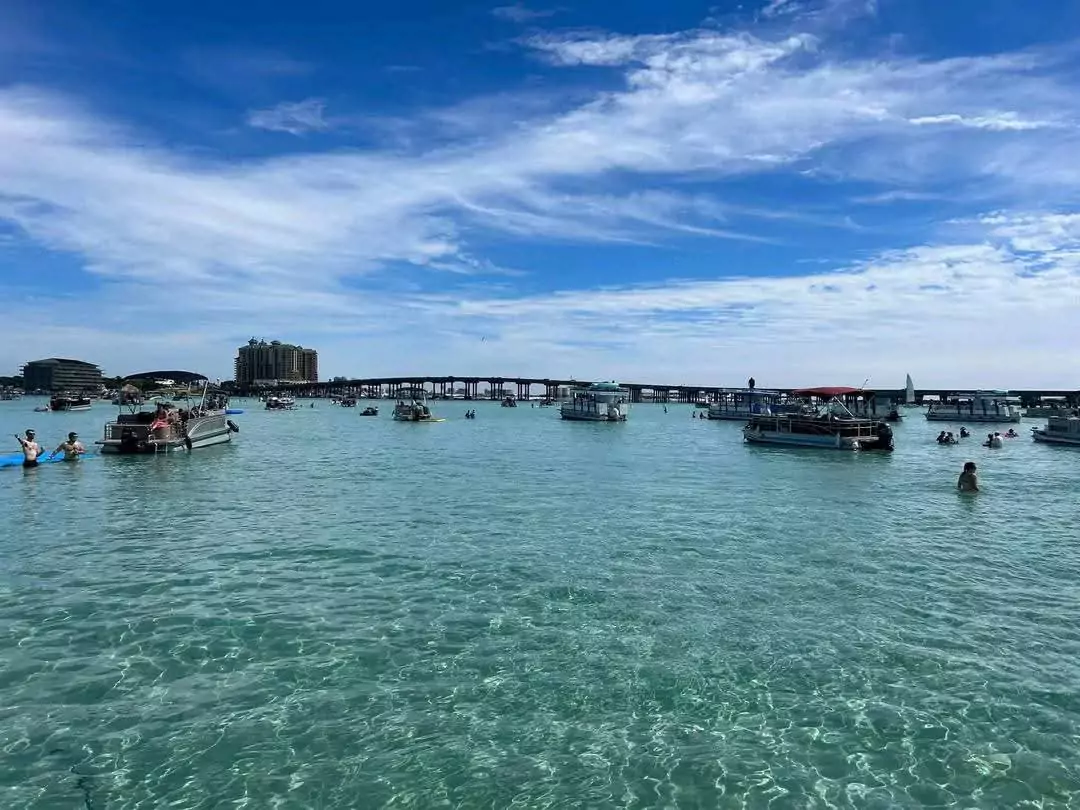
(527, 388)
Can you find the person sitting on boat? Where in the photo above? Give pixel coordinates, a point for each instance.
(72, 448)
(159, 426)
(968, 480)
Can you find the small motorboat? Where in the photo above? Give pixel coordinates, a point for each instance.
(370, 410)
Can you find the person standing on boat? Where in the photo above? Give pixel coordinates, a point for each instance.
(31, 449)
(71, 449)
(968, 481)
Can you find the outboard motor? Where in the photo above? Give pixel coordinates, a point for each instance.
(884, 437)
(129, 441)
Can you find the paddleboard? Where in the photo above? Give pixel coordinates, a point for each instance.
(16, 459)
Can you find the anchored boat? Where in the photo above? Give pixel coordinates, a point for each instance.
(988, 407)
(1059, 430)
(738, 405)
(280, 404)
(598, 402)
(168, 427)
(69, 402)
(415, 409)
(826, 424)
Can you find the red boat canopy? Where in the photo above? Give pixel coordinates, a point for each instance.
(827, 392)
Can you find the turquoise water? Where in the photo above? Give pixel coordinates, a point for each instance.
(339, 611)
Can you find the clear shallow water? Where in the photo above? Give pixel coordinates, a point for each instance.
(338, 611)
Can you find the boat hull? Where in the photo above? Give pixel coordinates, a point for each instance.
(976, 418)
(1049, 438)
(827, 442)
(591, 417)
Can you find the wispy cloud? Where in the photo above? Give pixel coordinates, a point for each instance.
(896, 195)
(519, 13)
(296, 118)
(318, 238)
(780, 8)
(1002, 122)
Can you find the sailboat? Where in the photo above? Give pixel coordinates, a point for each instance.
(909, 394)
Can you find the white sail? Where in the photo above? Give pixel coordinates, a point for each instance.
(909, 392)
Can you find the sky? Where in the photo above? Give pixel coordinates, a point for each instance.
(812, 192)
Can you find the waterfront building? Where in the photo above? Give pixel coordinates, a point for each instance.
(61, 374)
(277, 361)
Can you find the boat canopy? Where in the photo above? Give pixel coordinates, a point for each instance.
(828, 392)
(605, 386)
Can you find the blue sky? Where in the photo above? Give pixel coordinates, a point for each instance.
(809, 191)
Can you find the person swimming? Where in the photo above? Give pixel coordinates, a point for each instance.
(968, 480)
(964, 433)
(992, 440)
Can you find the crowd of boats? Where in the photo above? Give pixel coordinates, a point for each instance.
(844, 418)
(833, 417)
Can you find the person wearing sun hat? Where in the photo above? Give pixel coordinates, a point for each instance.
(31, 449)
(72, 448)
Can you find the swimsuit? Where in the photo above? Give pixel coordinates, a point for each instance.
(29, 462)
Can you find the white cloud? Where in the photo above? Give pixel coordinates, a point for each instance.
(896, 195)
(1002, 122)
(318, 247)
(296, 118)
(1040, 233)
(780, 8)
(518, 13)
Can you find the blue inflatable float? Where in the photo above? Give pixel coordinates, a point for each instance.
(16, 459)
(234, 411)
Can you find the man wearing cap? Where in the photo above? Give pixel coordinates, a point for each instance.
(31, 449)
(72, 448)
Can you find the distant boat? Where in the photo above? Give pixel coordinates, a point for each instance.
(983, 406)
(598, 402)
(69, 402)
(909, 394)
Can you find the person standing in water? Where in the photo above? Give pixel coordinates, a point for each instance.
(71, 449)
(31, 449)
(968, 480)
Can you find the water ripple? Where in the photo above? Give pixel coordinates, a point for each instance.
(519, 612)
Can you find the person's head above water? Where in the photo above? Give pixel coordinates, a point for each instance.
(30, 433)
(969, 466)
(72, 436)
